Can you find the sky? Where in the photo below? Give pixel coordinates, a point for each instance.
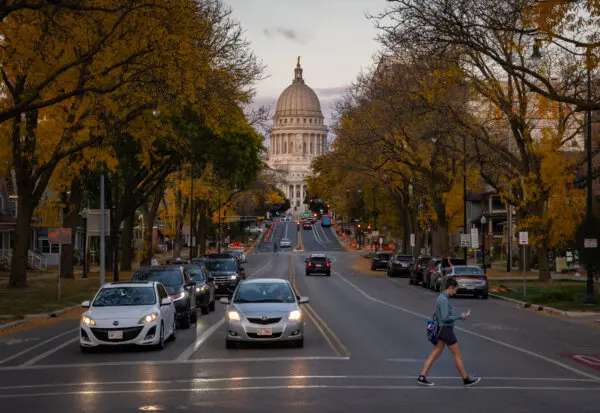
(333, 37)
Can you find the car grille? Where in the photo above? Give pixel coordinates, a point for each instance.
(254, 335)
(223, 280)
(272, 320)
(128, 333)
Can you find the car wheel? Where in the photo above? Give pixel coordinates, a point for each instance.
(85, 349)
(194, 315)
(161, 341)
(185, 320)
(230, 344)
(307, 273)
(211, 306)
(373, 268)
(299, 343)
(410, 280)
(204, 309)
(329, 274)
(485, 296)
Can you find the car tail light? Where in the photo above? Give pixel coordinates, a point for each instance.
(310, 264)
(418, 267)
(328, 265)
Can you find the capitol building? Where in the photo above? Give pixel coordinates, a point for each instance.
(297, 137)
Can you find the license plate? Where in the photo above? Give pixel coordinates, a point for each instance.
(318, 265)
(115, 335)
(471, 287)
(265, 332)
(216, 286)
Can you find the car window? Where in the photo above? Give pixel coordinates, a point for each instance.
(196, 274)
(162, 293)
(476, 271)
(222, 265)
(167, 277)
(125, 296)
(383, 256)
(406, 258)
(264, 293)
(318, 259)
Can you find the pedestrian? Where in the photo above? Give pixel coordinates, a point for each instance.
(275, 249)
(445, 318)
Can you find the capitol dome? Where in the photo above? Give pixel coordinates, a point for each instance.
(298, 99)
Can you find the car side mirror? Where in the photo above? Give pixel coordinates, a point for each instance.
(191, 284)
(85, 304)
(224, 300)
(303, 300)
(166, 301)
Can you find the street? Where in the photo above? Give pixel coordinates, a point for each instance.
(365, 346)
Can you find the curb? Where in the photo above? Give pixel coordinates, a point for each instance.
(12, 324)
(54, 313)
(543, 307)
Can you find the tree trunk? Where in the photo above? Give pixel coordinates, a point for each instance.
(71, 220)
(542, 252)
(179, 217)
(203, 221)
(18, 265)
(149, 216)
(126, 240)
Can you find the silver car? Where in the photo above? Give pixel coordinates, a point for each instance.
(285, 242)
(264, 310)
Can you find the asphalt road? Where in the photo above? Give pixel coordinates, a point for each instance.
(365, 344)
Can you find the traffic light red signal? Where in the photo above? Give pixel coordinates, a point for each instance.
(358, 225)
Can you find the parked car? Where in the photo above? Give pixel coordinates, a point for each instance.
(318, 264)
(380, 261)
(400, 265)
(441, 269)
(205, 287)
(416, 276)
(125, 313)
(430, 267)
(471, 280)
(179, 286)
(264, 310)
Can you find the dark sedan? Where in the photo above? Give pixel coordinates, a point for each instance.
(380, 261)
(205, 287)
(416, 277)
(401, 265)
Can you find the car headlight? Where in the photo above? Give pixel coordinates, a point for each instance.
(148, 318)
(203, 288)
(179, 296)
(87, 320)
(233, 316)
(233, 277)
(295, 315)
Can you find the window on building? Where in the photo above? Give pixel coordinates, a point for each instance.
(298, 203)
(311, 121)
(297, 194)
(47, 248)
(285, 121)
(304, 120)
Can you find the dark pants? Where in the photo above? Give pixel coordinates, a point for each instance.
(447, 335)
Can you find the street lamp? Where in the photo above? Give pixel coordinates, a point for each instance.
(483, 234)
(588, 226)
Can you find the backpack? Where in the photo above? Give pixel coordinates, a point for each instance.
(433, 330)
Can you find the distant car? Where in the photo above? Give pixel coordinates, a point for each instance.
(177, 261)
(239, 254)
(416, 276)
(179, 286)
(318, 264)
(429, 269)
(401, 265)
(380, 261)
(264, 310)
(326, 221)
(227, 274)
(253, 229)
(285, 242)
(306, 225)
(124, 313)
(471, 280)
(205, 287)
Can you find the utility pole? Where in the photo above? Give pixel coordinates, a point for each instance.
(192, 216)
(102, 233)
(465, 229)
(219, 236)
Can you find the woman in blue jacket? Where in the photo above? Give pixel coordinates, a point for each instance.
(445, 315)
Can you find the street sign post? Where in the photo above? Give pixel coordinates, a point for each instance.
(590, 243)
(412, 243)
(524, 241)
(474, 238)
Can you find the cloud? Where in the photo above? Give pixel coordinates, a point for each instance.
(331, 91)
(288, 34)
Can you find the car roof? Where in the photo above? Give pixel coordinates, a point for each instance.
(116, 284)
(266, 280)
(318, 255)
(159, 267)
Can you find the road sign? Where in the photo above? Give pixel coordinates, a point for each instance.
(374, 233)
(412, 240)
(59, 236)
(523, 238)
(465, 240)
(474, 238)
(590, 243)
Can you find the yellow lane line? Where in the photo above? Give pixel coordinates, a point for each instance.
(316, 319)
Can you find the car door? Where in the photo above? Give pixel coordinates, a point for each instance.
(167, 311)
(210, 284)
(187, 279)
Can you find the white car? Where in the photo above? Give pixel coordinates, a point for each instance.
(253, 230)
(124, 313)
(285, 242)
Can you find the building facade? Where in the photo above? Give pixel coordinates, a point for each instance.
(297, 137)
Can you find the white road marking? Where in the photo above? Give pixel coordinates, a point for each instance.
(299, 387)
(323, 232)
(27, 350)
(45, 354)
(473, 333)
(406, 360)
(192, 348)
(171, 362)
(278, 378)
(14, 341)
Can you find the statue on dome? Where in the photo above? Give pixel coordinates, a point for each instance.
(298, 64)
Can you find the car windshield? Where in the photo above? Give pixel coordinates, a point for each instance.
(235, 253)
(196, 274)
(383, 256)
(318, 259)
(222, 265)
(285, 240)
(264, 293)
(404, 258)
(468, 271)
(168, 278)
(125, 296)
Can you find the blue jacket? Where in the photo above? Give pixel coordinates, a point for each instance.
(444, 312)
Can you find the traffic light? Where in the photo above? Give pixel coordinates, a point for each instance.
(358, 226)
(228, 227)
(369, 227)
